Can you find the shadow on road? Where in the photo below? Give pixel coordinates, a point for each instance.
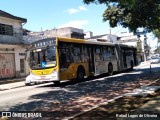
(75, 96)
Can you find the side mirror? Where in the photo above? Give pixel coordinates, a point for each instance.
(26, 54)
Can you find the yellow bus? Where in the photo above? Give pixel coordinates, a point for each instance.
(58, 58)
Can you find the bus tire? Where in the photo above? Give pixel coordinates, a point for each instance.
(110, 69)
(80, 73)
(131, 65)
(36, 83)
(56, 82)
(27, 84)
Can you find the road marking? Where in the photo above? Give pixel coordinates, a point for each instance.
(6, 98)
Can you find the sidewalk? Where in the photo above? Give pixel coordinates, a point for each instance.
(142, 104)
(145, 63)
(13, 83)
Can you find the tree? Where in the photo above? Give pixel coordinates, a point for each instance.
(131, 13)
(156, 32)
(157, 50)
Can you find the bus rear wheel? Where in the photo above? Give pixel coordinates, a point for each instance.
(80, 73)
(110, 69)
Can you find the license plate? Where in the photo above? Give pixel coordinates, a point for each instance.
(43, 76)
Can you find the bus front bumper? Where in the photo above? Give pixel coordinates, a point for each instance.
(37, 79)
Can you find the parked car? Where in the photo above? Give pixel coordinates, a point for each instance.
(155, 60)
(148, 58)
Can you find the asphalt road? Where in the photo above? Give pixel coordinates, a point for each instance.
(72, 95)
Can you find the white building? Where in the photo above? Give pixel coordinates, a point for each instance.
(12, 46)
(135, 40)
(128, 39)
(105, 37)
(123, 38)
(60, 32)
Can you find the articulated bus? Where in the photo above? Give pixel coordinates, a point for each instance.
(56, 59)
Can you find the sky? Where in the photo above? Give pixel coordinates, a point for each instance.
(50, 14)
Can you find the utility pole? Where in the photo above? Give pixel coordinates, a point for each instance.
(110, 36)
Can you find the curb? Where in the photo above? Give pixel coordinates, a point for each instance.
(3, 89)
(144, 64)
(116, 98)
(8, 85)
(69, 118)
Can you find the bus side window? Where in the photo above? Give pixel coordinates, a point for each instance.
(66, 55)
(112, 53)
(63, 56)
(78, 55)
(69, 55)
(85, 54)
(97, 54)
(105, 53)
(64, 61)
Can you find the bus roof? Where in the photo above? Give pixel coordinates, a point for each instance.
(127, 46)
(75, 40)
(43, 40)
(43, 43)
(83, 41)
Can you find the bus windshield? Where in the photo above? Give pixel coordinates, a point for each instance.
(43, 57)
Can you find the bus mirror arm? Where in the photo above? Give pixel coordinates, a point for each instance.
(26, 54)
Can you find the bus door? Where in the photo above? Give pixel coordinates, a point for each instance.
(91, 59)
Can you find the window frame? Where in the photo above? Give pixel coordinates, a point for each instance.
(22, 66)
(6, 29)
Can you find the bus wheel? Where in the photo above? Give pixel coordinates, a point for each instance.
(80, 73)
(56, 82)
(27, 84)
(110, 69)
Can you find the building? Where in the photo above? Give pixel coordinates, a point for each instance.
(105, 37)
(131, 39)
(138, 40)
(12, 46)
(61, 32)
(123, 38)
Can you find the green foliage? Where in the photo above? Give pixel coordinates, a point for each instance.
(156, 32)
(157, 50)
(131, 13)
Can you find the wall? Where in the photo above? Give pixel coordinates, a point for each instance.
(15, 23)
(11, 44)
(17, 31)
(61, 32)
(106, 37)
(19, 54)
(88, 34)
